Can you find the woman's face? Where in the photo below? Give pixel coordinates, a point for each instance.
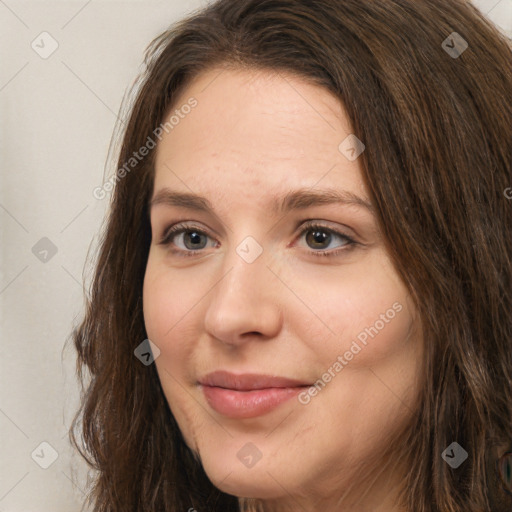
(278, 276)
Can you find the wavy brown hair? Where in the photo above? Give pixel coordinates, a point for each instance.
(438, 158)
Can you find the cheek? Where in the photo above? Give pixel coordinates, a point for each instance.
(364, 309)
(382, 331)
(168, 302)
(371, 367)
(168, 307)
(159, 309)
(163, 314)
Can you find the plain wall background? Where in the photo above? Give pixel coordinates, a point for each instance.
(57, 118)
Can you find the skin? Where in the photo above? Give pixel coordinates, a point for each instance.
(255, 135)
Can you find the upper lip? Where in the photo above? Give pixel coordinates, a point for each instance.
(248, 381)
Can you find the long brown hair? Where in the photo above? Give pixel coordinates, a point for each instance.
(437, 126)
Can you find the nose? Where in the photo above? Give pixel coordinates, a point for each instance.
(244, 302)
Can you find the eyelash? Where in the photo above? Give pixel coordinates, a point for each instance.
(170, 233)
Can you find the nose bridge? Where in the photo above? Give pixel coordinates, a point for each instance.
(244, 299)
(247, 276)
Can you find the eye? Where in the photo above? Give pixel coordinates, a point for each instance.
(317, 236)
(193, 239)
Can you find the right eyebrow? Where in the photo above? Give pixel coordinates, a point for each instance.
(182, 200)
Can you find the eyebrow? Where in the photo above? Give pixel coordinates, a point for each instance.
(295, 200)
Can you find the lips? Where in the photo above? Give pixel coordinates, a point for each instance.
(247, 395)
(248, 381)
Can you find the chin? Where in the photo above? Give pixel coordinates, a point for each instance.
(244, 482)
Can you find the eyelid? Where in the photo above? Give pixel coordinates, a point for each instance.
(304, 225)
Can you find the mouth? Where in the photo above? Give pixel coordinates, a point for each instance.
(248, 395)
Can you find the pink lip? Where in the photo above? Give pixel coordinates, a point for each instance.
(247, 395)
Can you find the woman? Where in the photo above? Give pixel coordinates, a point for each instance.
(233, 369)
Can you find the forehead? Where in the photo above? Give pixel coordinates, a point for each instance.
(255, 132)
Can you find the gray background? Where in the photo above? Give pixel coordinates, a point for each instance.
(57, 118)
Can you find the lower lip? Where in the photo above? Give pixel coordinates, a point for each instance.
(247, 404)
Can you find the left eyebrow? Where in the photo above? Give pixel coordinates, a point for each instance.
(294, 200)
(306, 198)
